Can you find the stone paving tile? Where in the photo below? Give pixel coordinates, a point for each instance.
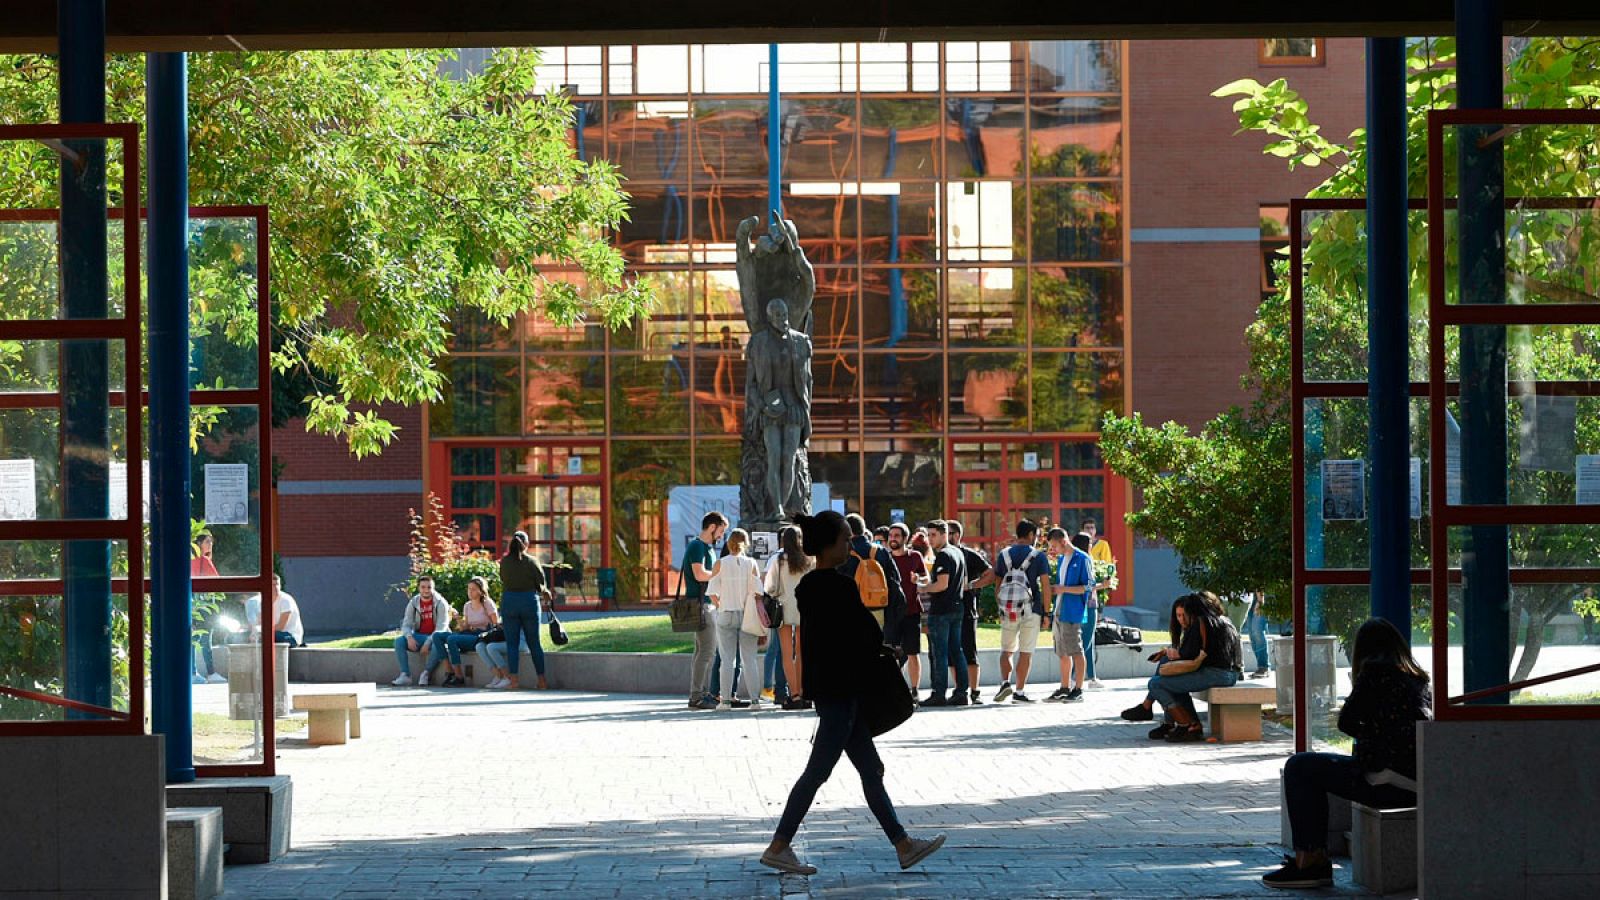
(469, 794)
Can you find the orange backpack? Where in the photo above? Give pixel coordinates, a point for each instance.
(871, 581)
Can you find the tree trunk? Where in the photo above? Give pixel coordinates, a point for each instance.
(1532, 645)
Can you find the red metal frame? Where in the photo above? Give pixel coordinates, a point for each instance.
(1442, 315)
(131, 530)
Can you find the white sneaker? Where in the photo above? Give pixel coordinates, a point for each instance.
(422, 680)
(1094, 683)
(755, 705)
(401, 680)
(217, 679)
(500, 684)
(724, 706)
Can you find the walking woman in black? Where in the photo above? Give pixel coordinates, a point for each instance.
(838, 641)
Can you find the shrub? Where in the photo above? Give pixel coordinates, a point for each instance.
(437, 551)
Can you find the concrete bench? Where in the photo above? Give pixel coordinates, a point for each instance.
(255, 813)
(333, 715)
(1236, 711)
(1383, 848)
(194, 853)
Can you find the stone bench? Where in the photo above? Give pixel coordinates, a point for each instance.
(194, 853)
(255, 813)
(332, 715)
(1383, 848)
(1236, 711)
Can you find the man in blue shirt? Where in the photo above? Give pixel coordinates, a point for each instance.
(1074, 580)
(1019, 631)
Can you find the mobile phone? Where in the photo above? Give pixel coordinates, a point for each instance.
(1156, 655)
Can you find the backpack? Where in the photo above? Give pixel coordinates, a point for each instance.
(1014, 595)
(871, 581)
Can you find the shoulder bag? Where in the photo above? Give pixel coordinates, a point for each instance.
(558, 634)
(885, 702)
(687, 613)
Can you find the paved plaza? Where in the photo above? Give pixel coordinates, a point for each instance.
(461, 793)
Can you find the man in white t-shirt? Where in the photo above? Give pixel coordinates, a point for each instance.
(286, 627)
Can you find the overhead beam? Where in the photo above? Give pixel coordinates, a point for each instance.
(201, 25)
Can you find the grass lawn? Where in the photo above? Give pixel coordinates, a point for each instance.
(621, 634)
(219, 738)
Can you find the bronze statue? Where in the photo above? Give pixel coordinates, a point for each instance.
(776, 286)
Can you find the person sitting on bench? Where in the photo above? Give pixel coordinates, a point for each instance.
(1204, 659)
(1389, 695)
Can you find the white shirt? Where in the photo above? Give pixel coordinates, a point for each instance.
(285, 603)
(781, 583)
(736, 583)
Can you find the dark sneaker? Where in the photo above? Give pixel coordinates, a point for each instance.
(1020, 697)
(934, 700)
(1261, 672)
(1074, 696)
(1056, 696)
(1160, 732)
(919, 850)
(1138, 714)
(1003, 692)
(1292, 876)
(1186, 734)
(977, 700)
(961, 700)
(740, 704)
(703, 703)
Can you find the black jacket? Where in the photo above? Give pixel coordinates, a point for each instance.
(896, 610)
(1382, 713)
(838, 636)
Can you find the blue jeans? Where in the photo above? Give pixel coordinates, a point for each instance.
(519, 615)
(402, 651)
(1308, 779)
(1256, 626)
(840, 732)
(1091, 616)
(944, 650)
(773, 663)
(1173, 690)
(445, 642)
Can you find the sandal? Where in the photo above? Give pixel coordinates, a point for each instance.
(1160, 732)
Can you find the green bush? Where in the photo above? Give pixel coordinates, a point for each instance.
(450, 577)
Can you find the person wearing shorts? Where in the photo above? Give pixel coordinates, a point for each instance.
(913, 567)
(1073, 581)
(1019, 632)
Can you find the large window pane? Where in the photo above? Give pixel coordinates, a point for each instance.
(648, 140)
(730, 139)
(984, 221)
(565, 395)
(826, 221)
(667, 325)
(1074, 66)
(1076, 307)
(835, 393)
(819, 139)
(837, 465)
(904, 475)
(473, 329)
(900, 308)
(728, 68)
(719, 322)
(1072, 391)
(833, 309)
(643, 474)
(902, 392)
(539, 333)
(484, 397)
(900, 138)
(817, 68)
(662, 69)
(899, 222)
(983, 137)
(650, 394)
(1075, 137)
(986, 307)
(983, 65)
(657, 230)
(719, 386)
(987, 392)
(716, 462)
(1077, 222)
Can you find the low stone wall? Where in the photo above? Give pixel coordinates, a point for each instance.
(639, 673)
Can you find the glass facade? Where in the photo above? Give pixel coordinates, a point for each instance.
(962, 203)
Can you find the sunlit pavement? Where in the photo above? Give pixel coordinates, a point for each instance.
(466, 793)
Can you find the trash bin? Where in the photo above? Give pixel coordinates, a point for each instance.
(1322, 653)
(244, 681)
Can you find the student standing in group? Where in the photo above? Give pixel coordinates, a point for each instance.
(426, 613)
(1100, 552)
(862, 548)
(522, 585)
(977, 565)
(912, 568)
(1074, 582)
(1018, 570)
(841, 641)
(699, 564)
(733, 591)
(941, 599)
(783, 577)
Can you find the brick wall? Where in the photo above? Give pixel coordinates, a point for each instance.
(347, 524)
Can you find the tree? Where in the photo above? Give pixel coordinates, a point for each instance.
(1237, 469)
(397, 196)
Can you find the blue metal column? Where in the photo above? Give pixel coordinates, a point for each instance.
(85, 425)
(774, 141)
(167, 134)
(1388, 356)
(1486, 561)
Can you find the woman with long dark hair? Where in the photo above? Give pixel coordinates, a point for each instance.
(839, 641)
(783, 578)
(522, 586)
(1204, 659)
(1389, 695)
(1143, 711)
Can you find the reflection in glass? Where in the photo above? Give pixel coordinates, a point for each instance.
(900, 307)
(984, 221)
(819, 140)
(643, 474)
(667, 325)
(471, 460)
(719, 392)
(833, 309)
(472, 329)
(983, 137)
(983, 65)
(484, 397)
(987, 392)
(906, 475)
(1075, 66)
(1075, 137)
(718, 311)
(1035, 491)
(565, 395)
(900, 138)
(1080, 455)
(837, 464)
(650, 394)
(986, 307)
(233, 438)
(835, 395)
(1073, 391)
(899, 222)
(1082, 488)
(1077, 222)
(472, 494)
(1077, 307)
(648, 140)
(826, 221)
(223, 286)
(716, 462)
(538, 332)
(730, 139)
(657, 230)
(902, 392)
(728, 68)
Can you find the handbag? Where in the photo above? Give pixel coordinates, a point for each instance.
(885, 702)
(558, 634)
(687, 613)
(495, 635)
(771, 611)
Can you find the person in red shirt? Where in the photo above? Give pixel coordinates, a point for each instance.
(913, 567)
(202, 566)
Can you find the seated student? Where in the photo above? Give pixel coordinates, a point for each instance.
(478, 615)
(1142, 713)
(426, 613)
(1203, 659)
(1389, 695)
(287, 628)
